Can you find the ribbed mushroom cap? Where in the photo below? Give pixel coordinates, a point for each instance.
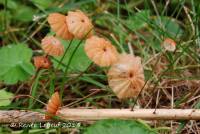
(101, 51)
(126, 77)
(58, 24)
(52, 46)
(169, 44)
(41, 62)
(79, 24)
(53, 105)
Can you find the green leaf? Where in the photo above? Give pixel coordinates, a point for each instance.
(169, 25)
(15, 63)
(43, 4)
(24, 14)
(80, 62)
(155, 44)
(139, 20)
(11, 4)
(5, 97)
(114, 126)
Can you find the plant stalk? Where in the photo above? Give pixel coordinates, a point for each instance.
(25, 116)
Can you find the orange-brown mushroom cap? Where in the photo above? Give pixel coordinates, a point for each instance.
(52, 46)
(79, 24)
(101, 51)
(58, 23)
(41, 62)
(126, 77)
(53, 105)
(169, 44)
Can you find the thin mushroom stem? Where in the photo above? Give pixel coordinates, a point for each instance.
(138, 96)
(70, 104)
(130, 48)
(157, 100)
(20, 96)
(146, 83)
(118, 44)
(70, 60)
(190, 19)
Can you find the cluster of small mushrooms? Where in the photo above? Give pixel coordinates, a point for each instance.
(125, 74)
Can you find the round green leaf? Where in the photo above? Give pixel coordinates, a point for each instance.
(169, 25)
(139, 20)
(114, 126)
(24, 14)
(5, 97)
(43, 4)
(15, 63)
(80, 62)
(11, 4)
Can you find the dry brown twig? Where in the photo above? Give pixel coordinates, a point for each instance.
(97, 114)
